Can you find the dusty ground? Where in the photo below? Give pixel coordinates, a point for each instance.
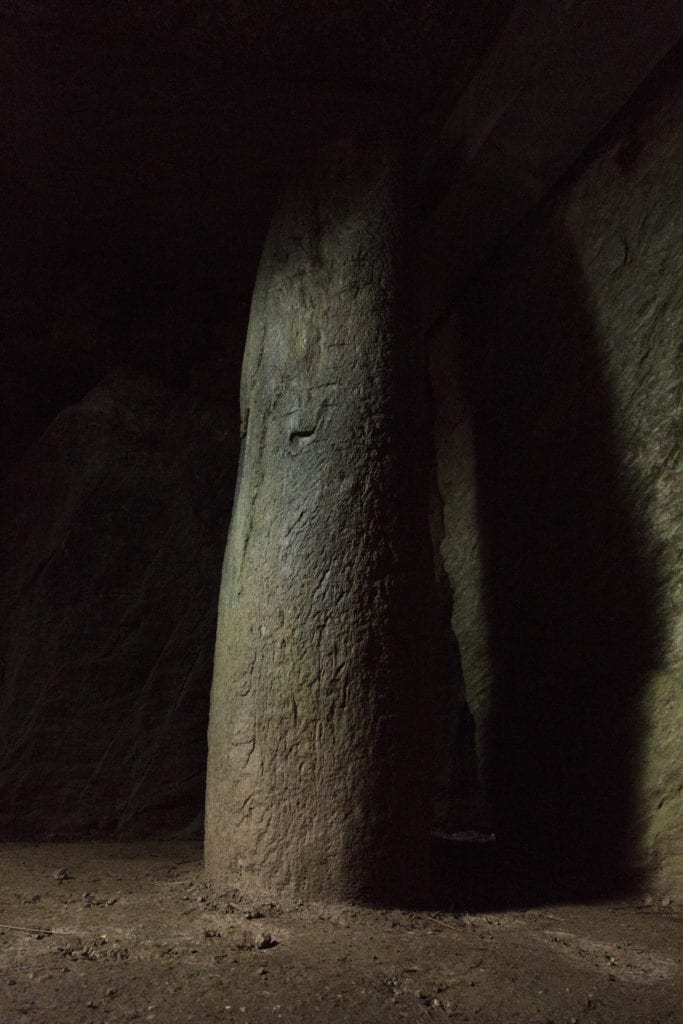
(134, 934)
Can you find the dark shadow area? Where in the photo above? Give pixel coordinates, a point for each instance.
(570, 591)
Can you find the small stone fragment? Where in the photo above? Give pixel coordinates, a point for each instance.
(61, 875)
(263, 940)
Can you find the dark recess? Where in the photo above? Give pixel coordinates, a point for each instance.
(570, 591)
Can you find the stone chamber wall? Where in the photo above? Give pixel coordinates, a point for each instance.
(557, 377)
(120, 443)
(112, 535)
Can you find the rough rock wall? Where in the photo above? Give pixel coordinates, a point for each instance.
(558, 385)
(111, 538)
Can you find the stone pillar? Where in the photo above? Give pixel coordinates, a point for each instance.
(321, 738)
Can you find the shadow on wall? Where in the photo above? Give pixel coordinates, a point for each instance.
(570, 587)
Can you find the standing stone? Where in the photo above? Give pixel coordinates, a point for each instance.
(320, 737)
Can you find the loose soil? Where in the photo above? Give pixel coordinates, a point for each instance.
(109, 933)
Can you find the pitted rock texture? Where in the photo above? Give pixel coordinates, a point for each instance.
(112, 532)
(321, 740)
(558, 381)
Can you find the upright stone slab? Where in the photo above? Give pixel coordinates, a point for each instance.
(320, 737)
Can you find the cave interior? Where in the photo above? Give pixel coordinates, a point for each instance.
(145, 149)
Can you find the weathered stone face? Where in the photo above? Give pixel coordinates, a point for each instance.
(112, 529)
(559, 395)
(321, 732)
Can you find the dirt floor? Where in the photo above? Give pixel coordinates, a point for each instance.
(130, 932)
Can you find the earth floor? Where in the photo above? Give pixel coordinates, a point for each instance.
(106, 933)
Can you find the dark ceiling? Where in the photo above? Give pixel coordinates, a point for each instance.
(154, 136)
(145, 143)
